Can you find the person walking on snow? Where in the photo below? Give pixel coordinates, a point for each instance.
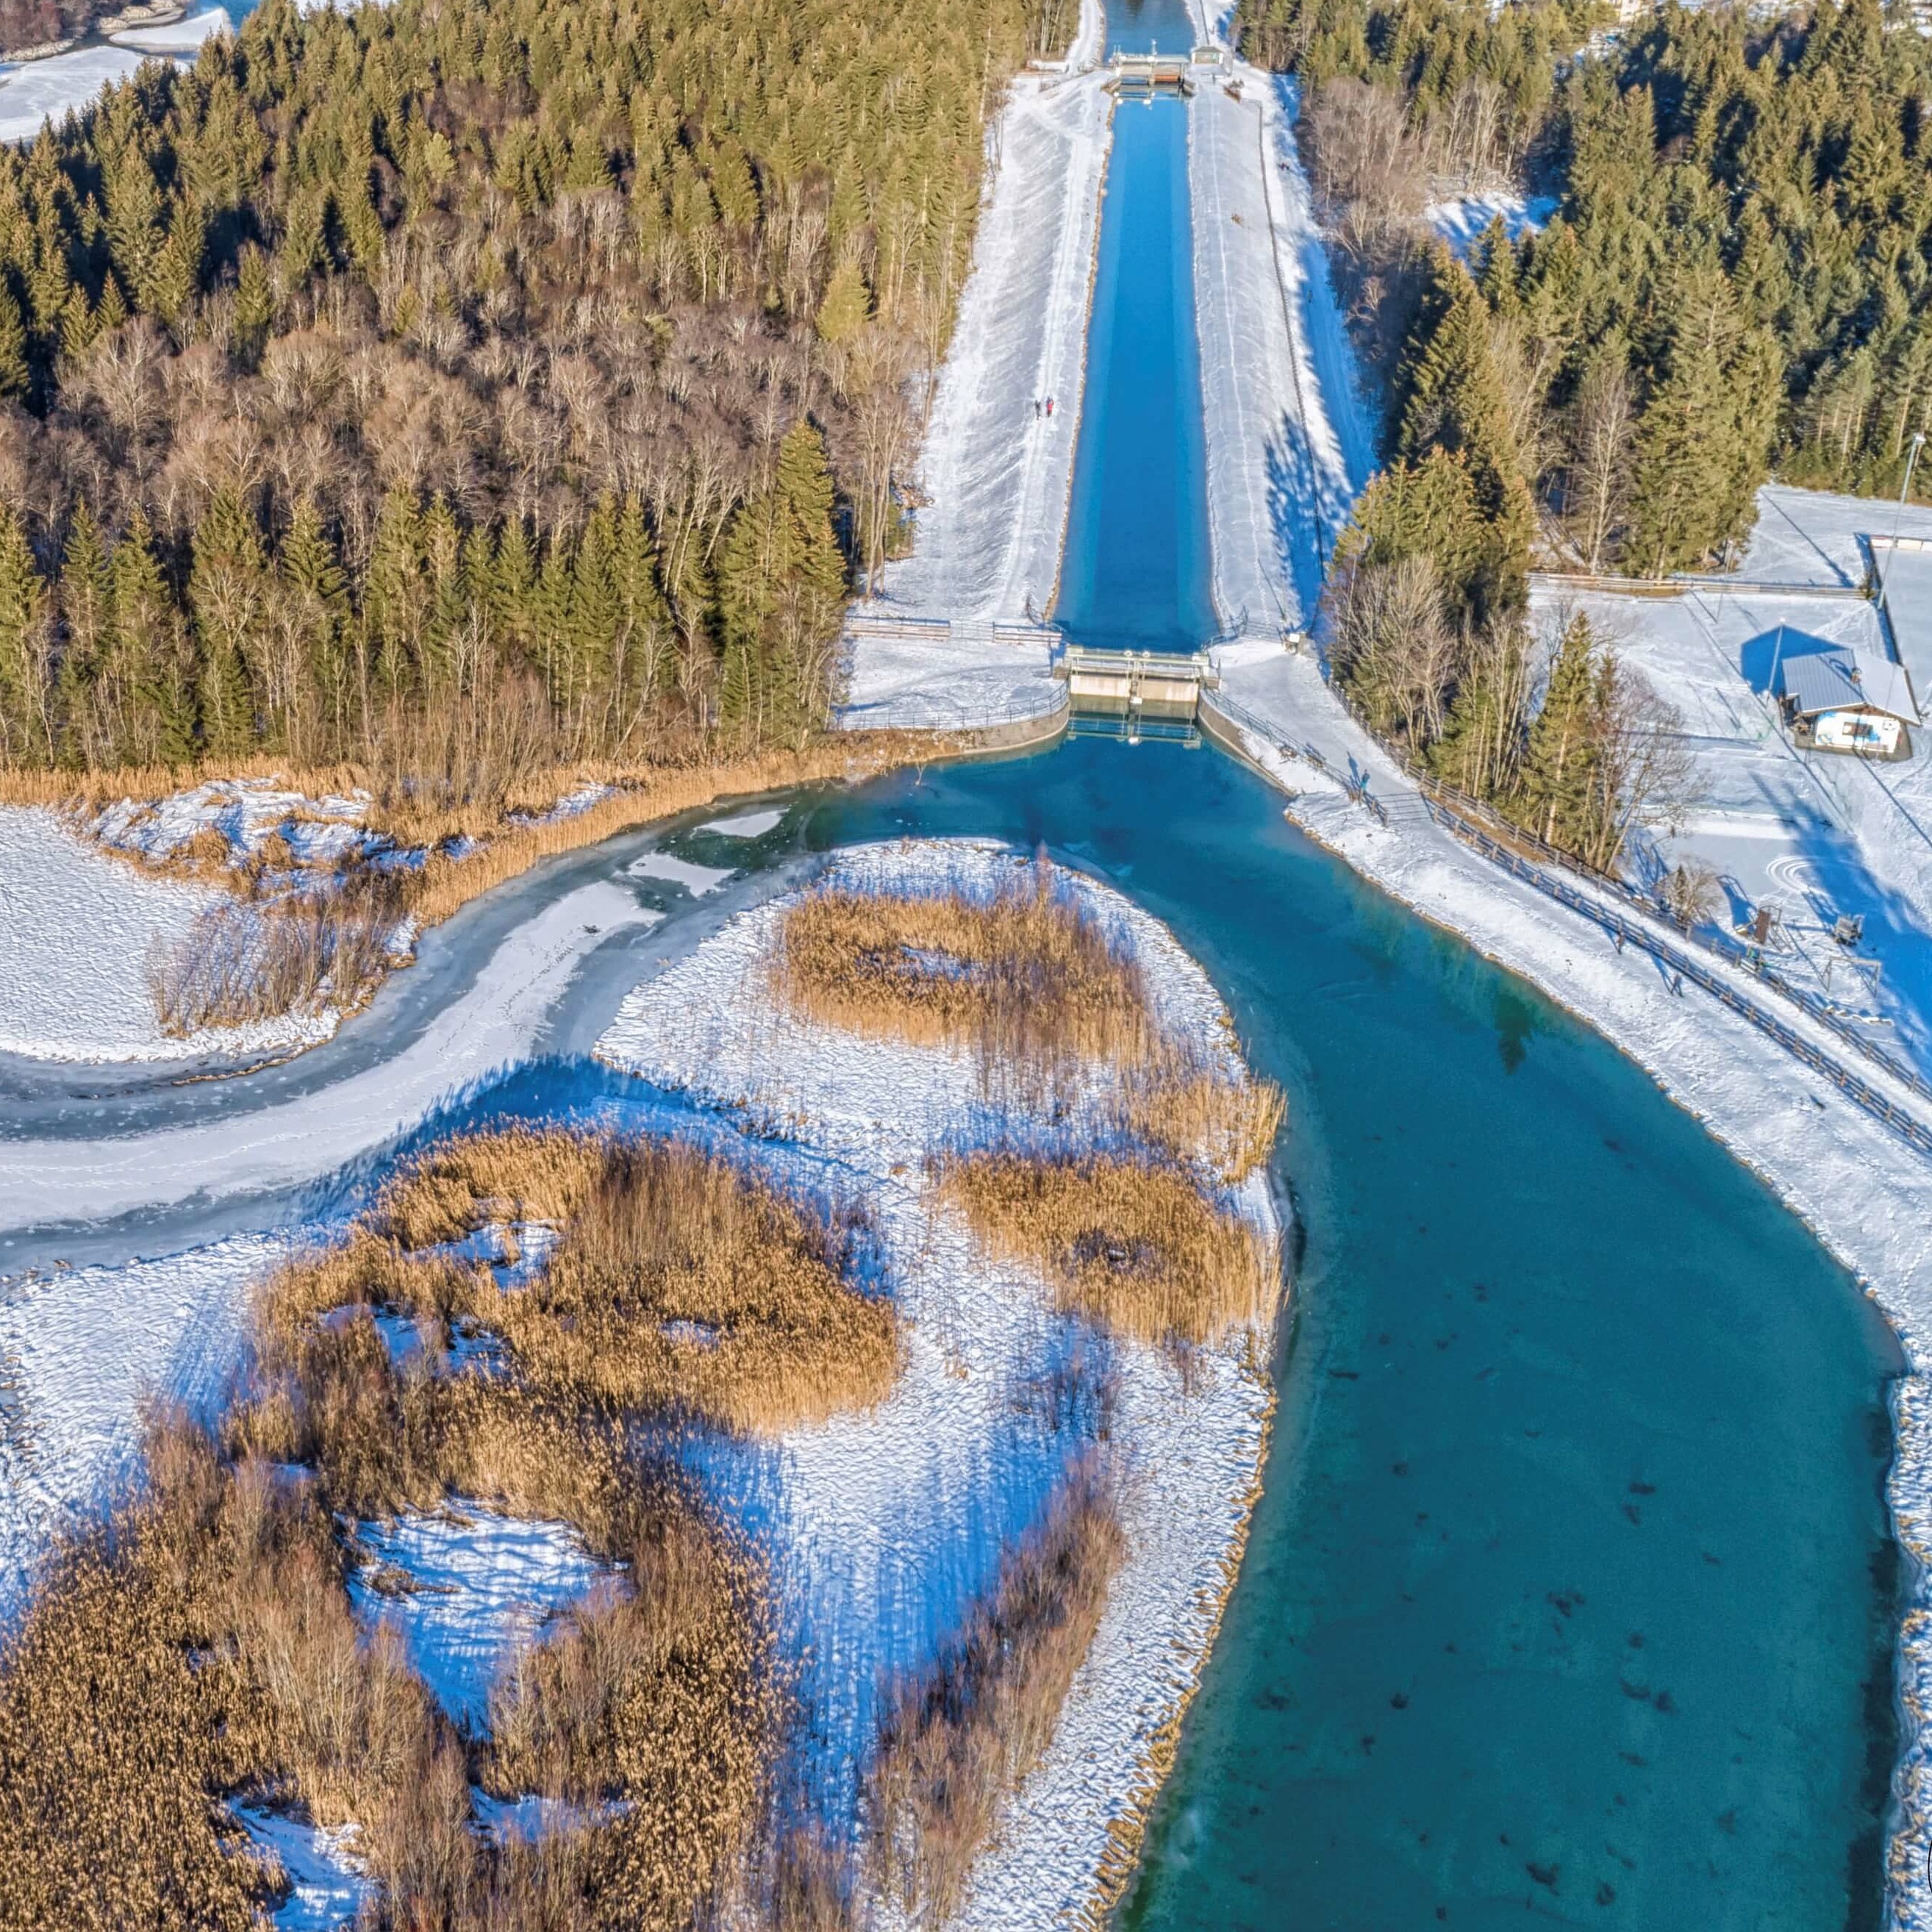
(1049, 405)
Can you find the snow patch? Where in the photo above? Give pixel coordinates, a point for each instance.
(997, 478)
(1463, 222)
(748, 824)
(329, 1886)
(481, 1584)
(76, 930)
(696, 879)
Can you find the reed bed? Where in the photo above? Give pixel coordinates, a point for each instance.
(239, 963)
(955, 1740)
(1024, 976)
(1023, 973)
(204, 1650)
(679, 1282)
(1130, 1243)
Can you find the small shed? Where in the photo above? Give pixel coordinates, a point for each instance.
(1846, 701)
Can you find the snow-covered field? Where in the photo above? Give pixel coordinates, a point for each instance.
(884, 1526)
(76, 930)
(46, 1183)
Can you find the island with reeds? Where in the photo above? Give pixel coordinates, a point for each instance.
(802, 1494)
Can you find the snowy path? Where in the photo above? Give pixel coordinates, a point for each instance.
(1287, 439)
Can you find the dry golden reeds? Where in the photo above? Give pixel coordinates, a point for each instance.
(678, 1281)
(1132, 1244)
(239, 962)
(1025, 977)
(955, 1740)
(1023, 973)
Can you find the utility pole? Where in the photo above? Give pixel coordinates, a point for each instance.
(1904, 491)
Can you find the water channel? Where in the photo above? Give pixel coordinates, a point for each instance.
(1570, 1594)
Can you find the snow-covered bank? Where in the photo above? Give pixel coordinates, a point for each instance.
(996, 469)
(909, 680)
(1288, 441)
(80, 1350)
(48, 1182)
(76, 930)
(883, 1527)
(997, 474)
(1866, 1194)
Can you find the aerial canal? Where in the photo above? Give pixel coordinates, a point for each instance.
(1570, 1596)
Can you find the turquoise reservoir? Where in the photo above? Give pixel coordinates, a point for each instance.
(1570, 1596)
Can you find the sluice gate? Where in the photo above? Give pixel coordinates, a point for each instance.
(1141, 76)
(1135, 693)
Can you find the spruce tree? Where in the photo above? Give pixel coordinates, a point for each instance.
(1558, 763)
(227, 595)
(85, 596)
(26, 721)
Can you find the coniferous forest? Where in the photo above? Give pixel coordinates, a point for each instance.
(1736, 282)
(459, 389)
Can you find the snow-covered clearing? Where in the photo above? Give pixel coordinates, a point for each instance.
(1287, 441)
(47, 1182)
(76, 930)
(80, 1351)
(479, 1584)
(1463, 222)
(883, 1527)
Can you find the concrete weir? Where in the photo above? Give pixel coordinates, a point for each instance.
(1135, 693)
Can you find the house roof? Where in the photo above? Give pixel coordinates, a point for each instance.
(1843, 680)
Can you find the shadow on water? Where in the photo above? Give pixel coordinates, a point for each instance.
(1570, 1593)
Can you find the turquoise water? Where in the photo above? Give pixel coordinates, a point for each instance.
(1135, 573)
(1569, 1597)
